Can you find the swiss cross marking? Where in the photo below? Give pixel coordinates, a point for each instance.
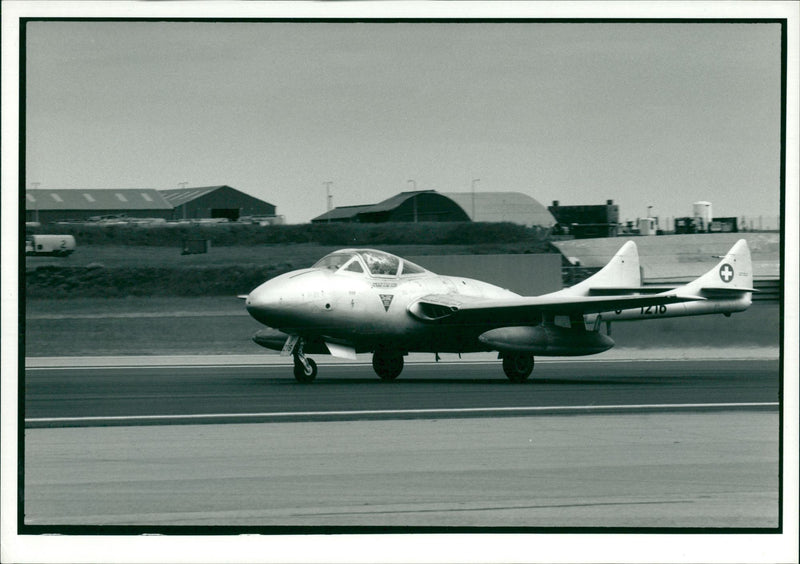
(387, 300)
(726, 272)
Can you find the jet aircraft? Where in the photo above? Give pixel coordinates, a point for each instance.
(365, 300)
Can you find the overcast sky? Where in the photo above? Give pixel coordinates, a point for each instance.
(655, 115)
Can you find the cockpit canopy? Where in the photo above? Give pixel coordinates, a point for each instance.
(372, 262)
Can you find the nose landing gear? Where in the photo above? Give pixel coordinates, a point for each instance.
(305, 369)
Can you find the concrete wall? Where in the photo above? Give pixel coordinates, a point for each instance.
(675, 258)
(526, 274)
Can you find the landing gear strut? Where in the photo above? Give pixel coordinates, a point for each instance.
(387, 364)
(305, 369)
(518, 366)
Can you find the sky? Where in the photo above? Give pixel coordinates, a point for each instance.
(659, 115)
(655, 115)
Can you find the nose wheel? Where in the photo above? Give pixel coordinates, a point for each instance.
(305, 372)
(305, 369)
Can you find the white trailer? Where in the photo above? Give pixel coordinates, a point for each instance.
(49, 245)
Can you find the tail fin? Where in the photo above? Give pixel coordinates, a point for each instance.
(724, 289)
(621, 272)
(732, 276)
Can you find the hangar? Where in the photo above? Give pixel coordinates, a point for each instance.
(513, 207)
(429, 205)
(215, 202)
(48, 206)
(421, 205)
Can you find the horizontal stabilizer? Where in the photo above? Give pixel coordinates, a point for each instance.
(529, 309)
(728, 290)
(629, 290)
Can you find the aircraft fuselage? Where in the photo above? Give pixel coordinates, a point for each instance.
(368, 312)
(364, 300)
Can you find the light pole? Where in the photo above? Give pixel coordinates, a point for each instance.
(414, 200)
(35, 202)
(328, 197)
(474, 180)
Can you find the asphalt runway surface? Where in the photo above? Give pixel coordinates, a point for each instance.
(246, 393)
(455, 446)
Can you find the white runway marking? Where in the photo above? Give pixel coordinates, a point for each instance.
(405, 412)
(135, 315)
(266, 361)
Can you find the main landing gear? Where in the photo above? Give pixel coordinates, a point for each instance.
(387, 364)
(517, 366)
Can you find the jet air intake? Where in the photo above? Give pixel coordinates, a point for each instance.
(546, 340)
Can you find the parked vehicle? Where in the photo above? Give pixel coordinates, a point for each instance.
(49, 245)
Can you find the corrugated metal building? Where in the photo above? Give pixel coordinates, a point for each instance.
(49, 206)
(586, 222)
(215, 202)
(422, 205)
(342, 214)
(513, 207)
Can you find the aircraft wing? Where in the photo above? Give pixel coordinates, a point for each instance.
(460, 309)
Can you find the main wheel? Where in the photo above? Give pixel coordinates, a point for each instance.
(518, 366)
(387, 365)
(303, 375)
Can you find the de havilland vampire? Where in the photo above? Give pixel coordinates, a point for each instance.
(364, 300)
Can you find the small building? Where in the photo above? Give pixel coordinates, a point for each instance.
(215, 202)
(50, 206)
(585, 222)
(422, 205)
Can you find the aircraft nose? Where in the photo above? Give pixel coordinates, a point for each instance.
(266, 303)
(278, 301)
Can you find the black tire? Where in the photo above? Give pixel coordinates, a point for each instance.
(518, 367)
(300, 371)
(387, 365)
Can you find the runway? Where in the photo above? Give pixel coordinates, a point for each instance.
(245, 393)
(625, 445)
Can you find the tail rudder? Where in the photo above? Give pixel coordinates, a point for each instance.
(734, 273)
(622, 271)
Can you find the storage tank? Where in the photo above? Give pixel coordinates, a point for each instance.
(647, 226)
(702, 215)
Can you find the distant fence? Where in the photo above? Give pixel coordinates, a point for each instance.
(743, 223)
(769, 290)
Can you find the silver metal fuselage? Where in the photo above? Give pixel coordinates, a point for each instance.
(367, 312)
